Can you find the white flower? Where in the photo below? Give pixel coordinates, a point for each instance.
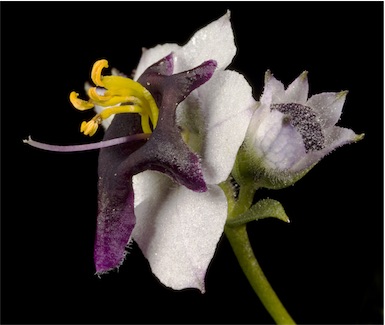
(178, 229)
(289, 132)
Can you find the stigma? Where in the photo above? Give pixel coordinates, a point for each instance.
(116, 95)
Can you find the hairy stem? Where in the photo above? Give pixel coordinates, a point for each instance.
(240, 243)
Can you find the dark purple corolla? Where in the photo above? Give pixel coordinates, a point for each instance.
(165, 151)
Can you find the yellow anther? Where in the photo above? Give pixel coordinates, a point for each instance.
(89, 128)
(78, 103)
(120, 95)
(107, 100)
(93, 94)
(96, 73)
(127, 87)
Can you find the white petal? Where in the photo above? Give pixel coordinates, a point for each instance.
(153, 55)
(177, 235)
(226, 106)
(257, 125)
(278, 143)
(336, 137)
(298, 90)
(274, 90)
(147, 183)
(328, 106)
(213, 42)
(263, 129)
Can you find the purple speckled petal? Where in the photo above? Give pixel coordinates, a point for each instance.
(164, 66)
(116, 218)
(165, 151)
(114, 227)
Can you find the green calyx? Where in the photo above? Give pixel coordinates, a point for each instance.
(249, 168)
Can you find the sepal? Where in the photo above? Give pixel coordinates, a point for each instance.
(248, 168)
(266, 208)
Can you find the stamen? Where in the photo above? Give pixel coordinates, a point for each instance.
(90, 127)
(154, 109)
(93, 94)
(96, 73)
(125, 86)
(112, 100)
(117, 90)
(88, 146)
(145, 120)
(120, 109)
(78, 103)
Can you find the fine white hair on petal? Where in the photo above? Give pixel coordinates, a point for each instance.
(227, 106)
(274, 90)
(328, 107)
(338, 136)
(278, 145)
(147, 183)
(212, 42)
(335, 138)
(150, 56)
(298, 90)
(285, 148)
(176, 235)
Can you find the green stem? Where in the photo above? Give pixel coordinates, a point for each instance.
(240, 243)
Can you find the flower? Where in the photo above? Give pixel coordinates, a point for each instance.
(178, 229)
(161, 189)
(164, 151)
(289, 132)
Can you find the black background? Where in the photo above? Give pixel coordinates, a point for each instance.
(326, 266)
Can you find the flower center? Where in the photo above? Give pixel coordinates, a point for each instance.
(116, 94)
(305, 121)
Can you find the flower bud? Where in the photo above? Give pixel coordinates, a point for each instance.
(289, 133)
